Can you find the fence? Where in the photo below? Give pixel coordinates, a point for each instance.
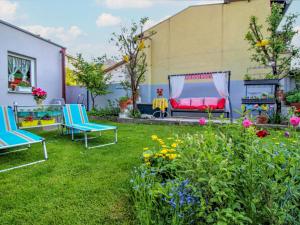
(76, 94)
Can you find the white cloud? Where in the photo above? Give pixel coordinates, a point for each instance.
(8, 10)
(108, 20)
(92, 50)
(118, 4)
(56, 33)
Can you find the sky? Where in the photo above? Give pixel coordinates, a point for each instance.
(85, 26)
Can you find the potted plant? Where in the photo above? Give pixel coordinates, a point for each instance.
(293, 98)
(262, 119)
(47, 120)
(29, 122)
(24, 86)
(159, 92)
(124, 102)
(264, 95)
(39, 95)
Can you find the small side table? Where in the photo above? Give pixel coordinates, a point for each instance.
(162, 104)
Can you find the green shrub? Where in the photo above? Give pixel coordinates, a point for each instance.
(293, 97)
(223, 175)
(112, 110)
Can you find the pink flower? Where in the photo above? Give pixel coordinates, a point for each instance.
(247, 123)
(202, 121)
(295, 121)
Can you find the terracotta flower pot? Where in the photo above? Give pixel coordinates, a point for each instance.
(123, 105)
(262, 119)
(296, 105)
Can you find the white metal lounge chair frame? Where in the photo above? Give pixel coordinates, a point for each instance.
(86, 136)
(18, 150)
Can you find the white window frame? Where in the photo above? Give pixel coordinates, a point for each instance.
(33, 77)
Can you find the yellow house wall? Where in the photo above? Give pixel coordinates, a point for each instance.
(204, 38)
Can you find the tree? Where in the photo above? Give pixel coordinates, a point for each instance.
(70, 79)
(91, 76)
(131, 44)
(275, 48)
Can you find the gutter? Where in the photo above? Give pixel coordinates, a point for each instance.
(63, 72)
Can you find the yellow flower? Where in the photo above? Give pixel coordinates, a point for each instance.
(164, 151)
(154, 137)
(145, 149)
(147, 155)
(264, 42)
(174, 145)
(126, 58)
(142, 45)
(164, 146)
(158, 155)
(171, 150)
(172, 156)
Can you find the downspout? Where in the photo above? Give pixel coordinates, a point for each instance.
(63, 72)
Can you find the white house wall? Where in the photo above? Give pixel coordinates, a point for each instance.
(48, 65)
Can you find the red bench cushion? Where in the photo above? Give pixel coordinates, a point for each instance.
(221, 103)
(174, 103)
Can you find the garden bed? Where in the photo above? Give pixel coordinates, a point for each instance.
(222, 175)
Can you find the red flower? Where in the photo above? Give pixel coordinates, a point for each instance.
(39, 93)
(262, 133)
(159, 91)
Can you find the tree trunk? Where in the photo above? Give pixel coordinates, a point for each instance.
(278, 102)
(93, 101)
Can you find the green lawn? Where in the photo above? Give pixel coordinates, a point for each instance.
(76, 186)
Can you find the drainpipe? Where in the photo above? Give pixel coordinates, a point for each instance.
(63, 72)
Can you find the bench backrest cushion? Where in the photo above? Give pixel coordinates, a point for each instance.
(185, 102)
(196, 102)
(211, 101)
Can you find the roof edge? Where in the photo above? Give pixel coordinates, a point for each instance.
(30, 33)
(191, 6)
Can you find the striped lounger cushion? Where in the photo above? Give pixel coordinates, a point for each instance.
(76, 117)
(9, 134)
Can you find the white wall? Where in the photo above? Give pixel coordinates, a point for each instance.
(48, 65)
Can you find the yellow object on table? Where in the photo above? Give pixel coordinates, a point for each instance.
(161, 103)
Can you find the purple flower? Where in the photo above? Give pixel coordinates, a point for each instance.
(287, 134)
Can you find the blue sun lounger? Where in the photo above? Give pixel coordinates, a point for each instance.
(76, 120)
(11, 137)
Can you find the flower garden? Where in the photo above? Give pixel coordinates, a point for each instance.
(229, 174)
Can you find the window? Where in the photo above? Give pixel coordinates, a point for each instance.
(21, 73)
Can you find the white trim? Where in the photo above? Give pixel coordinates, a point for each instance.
(33, 75)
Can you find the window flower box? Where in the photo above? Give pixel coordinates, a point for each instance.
(47, 122)
(32, 123)
(24, 89)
